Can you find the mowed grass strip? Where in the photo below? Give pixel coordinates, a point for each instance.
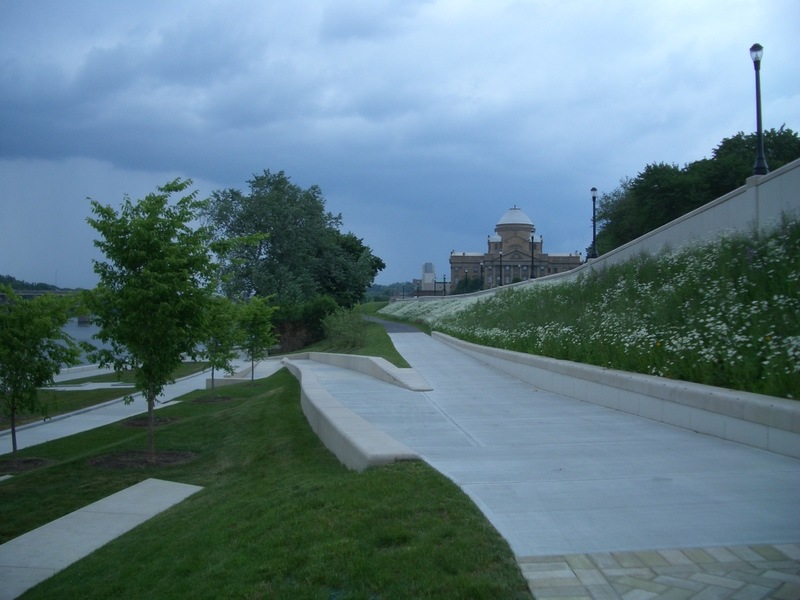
(279, 516)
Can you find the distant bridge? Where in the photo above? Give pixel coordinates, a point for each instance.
(29, 294)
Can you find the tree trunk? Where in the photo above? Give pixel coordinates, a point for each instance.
(151, 426)
(213, 390)
(13, 435)
(252, 370)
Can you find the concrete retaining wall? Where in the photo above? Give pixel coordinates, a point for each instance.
(354, 441)
(756, 420)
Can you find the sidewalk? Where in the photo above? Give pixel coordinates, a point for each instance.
(593, 502)
(60, 426)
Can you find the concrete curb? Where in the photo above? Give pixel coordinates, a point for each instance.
(354, 441)
(765, 422)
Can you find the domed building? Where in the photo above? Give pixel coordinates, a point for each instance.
(513, 254)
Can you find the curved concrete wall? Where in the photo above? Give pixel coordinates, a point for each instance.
(756, 420)
(354, 441)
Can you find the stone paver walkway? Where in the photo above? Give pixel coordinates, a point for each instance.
(738, 573)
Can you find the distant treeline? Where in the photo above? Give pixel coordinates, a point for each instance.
(18, 284)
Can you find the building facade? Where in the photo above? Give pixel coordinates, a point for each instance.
(513, 254)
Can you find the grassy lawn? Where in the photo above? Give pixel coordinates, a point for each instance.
(278, 517)
(374, 342)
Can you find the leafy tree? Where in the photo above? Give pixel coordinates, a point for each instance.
(470, 284)
(301, 254)
(662, 192)
(223, 335)
(33, 348)
(255, 320)
(296, 226)
(155, 287)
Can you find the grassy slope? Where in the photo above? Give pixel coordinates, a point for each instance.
(279, 517)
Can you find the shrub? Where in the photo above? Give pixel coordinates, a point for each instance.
(344, 329)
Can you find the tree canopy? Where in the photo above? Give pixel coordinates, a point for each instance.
(33, 348)
(155, 286)
(300, 254)
(663, 192)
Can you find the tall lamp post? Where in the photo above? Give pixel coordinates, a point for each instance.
(501, 269)
(531, 274)
(760, 166)
(593, 251)
(482, 279)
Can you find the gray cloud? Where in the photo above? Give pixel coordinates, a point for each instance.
(421, 121)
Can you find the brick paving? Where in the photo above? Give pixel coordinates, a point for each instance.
(735, 572)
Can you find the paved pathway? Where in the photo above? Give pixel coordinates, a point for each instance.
(594, 502)
(37, 555)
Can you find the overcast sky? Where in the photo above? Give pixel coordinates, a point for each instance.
(421, 121)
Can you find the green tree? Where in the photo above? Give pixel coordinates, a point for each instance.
(661, 192)
(300, 254)
(33, 348)
(155, 287)
(223, 336)
(255, 320)
(294, 226)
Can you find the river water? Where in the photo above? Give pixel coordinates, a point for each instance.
(83, 332)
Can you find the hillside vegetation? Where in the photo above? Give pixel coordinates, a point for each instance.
(723, 313)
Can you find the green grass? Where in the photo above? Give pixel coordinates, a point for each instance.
(278, 517)
(373, 341)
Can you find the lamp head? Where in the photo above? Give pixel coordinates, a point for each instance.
(756, 51)
(594, 193)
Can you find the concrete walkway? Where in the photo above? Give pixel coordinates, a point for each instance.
(595, 503)
(37, 555)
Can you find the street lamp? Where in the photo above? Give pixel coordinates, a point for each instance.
(444, 284)
(760, 167)
(482, 280)
(531, 274)
(500, 282)
(593, 252)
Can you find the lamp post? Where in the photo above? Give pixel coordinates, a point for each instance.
(482, 279)
(531, 274)
(501, 269)
(760, 166)
(444, 284)
(593, 252)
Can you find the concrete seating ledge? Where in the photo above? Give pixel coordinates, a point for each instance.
(757, 420)
(354, 441)
(376, 367)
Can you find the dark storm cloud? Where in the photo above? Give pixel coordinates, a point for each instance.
(421, 121)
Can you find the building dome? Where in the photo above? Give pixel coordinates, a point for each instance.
(515, 216)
